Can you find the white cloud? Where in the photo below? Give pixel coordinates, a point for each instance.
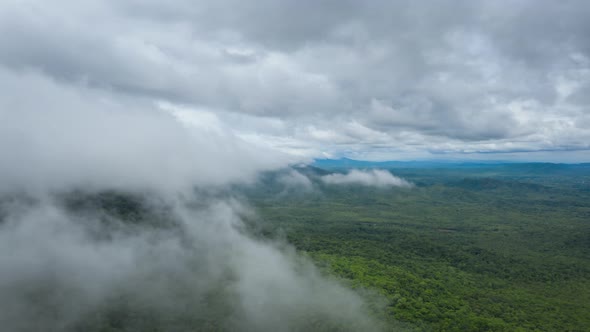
(373, 178)
(57, 138)
(68, 136)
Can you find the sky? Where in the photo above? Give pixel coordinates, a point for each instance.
(297, 80)
(156, 98)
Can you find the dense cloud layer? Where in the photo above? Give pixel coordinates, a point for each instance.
(54, 137)
(373, 178)
(78, 255)
(380, 79)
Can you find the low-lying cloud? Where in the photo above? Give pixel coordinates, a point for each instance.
(295, 180)
(70, 136)
(111, 219)
(182, 265)
(374, 178)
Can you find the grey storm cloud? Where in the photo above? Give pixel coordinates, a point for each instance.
(450, 76)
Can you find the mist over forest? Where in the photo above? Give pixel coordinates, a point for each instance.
(129, 222)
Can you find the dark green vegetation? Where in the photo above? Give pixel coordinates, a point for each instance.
(472, 247)
(501, 247)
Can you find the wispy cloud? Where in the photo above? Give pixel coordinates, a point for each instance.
(295, 180)
(374, 178)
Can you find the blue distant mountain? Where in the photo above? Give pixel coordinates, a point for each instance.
(351, 163)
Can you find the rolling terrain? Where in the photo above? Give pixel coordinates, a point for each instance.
(486, 247)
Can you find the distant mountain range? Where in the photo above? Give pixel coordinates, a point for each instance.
(351, 163)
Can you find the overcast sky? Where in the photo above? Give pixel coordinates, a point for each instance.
(391, 80)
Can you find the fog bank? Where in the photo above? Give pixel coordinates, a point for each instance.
(101, 226)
